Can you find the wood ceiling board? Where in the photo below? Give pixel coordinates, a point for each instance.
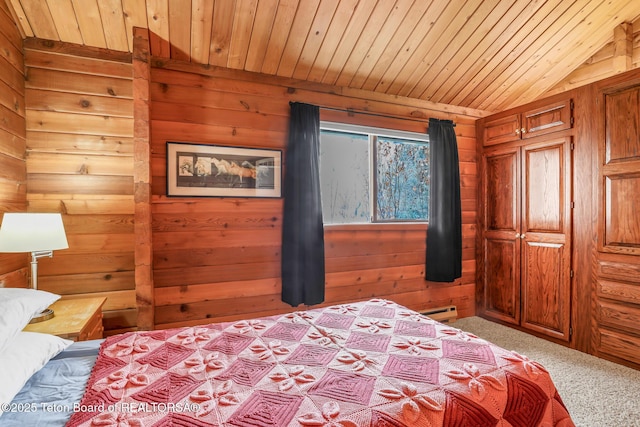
(261, 34)
(201, 25)
(364, 42)
(386, 34)
(158, 21)
(345, 47)
(281, 27)
(297, 36)
(448, 45)
(241, 35)
(498, 55)
(388, 55)
(40, 19)
(479, 54)
(64, 18)
(581, 51)
(180, 29)
(135, 15)
(112, 17)
(223, 12)
(441, 87)
(20, 17)
(406, 51)
(324, 51)
(89, 22)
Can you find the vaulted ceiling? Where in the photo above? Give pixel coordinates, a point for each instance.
(487, 55)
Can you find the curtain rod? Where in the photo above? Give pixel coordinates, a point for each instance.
(347, 110)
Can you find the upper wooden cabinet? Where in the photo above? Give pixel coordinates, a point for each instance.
(528, 124)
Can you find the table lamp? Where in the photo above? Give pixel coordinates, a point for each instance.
(38, 233)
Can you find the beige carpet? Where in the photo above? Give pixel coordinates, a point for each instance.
(597, 393)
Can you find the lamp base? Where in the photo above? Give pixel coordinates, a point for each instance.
(44, 315)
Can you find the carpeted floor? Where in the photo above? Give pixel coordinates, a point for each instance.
(597, 393)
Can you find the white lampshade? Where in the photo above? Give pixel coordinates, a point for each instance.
(31, 232)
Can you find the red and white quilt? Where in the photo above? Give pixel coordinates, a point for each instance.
(372, 363)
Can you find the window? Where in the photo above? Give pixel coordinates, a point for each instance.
(373, 174)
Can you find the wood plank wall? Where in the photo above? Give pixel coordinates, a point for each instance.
(13, 189)
(79, 121)
(219, 259)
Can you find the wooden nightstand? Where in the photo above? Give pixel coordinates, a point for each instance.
(74, 319)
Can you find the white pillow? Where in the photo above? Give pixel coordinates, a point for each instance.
(17, 307)
(25, 354)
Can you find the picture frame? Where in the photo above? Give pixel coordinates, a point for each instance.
(203, 170)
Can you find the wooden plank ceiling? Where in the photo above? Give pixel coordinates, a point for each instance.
(487, 55)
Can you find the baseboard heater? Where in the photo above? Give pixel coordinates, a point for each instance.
(446, 314)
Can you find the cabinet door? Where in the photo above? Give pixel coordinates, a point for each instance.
(545, 235)
(501, 263)
(501, 130)
(620, 173)
(550, 118)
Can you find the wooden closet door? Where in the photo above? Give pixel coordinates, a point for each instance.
(501, 194)
(545, 236)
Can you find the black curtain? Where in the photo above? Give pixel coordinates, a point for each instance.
(302, 230)
(444, 234)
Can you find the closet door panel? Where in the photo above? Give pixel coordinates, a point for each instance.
(502, 190)
(502, 279)
(545, 290)
(544, 193)
(501, 242)
(546, 233)
(622, 204)
(622, 121)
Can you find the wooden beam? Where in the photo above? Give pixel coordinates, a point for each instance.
(295, 85)
(143, 252)
(623, 47)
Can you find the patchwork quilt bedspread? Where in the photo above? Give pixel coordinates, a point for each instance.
(372, 363)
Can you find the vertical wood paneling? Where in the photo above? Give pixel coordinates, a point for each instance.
(220, 258)
(79, 116)
(13, 267)
(142, 179)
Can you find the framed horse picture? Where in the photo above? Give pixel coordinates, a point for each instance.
(202, 170)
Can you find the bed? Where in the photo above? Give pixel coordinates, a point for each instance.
(370, 363)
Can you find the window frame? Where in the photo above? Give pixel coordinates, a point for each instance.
(373, 133)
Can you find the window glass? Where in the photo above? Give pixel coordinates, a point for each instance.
(344, 177)
(373, 175)
(402, 180)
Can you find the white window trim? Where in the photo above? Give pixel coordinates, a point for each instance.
(367, 130)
